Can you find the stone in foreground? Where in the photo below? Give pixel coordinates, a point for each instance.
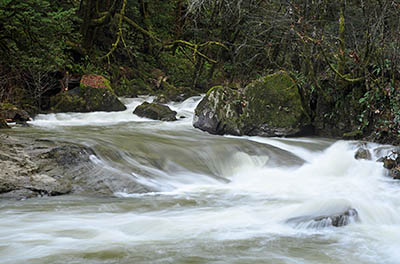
(31, 168)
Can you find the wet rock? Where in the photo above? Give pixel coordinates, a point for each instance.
(219, 112)
(363, 153)
(31, 168)
(395, 173)
(269, 106)
(70, 155)
(155, 111)
(391, 162)
(93, 94)
(336, 220)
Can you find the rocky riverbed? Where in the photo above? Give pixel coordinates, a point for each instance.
(40, 167)
(32, 167)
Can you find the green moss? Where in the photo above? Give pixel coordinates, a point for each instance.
(64, 102)
(177, 67)
(274, 100)
(356, 134)
(7, 106)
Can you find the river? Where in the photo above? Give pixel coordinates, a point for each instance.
(212, 199)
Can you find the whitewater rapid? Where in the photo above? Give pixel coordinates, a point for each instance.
(214, 199)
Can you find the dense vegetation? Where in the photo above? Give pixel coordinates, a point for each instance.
(343, 54)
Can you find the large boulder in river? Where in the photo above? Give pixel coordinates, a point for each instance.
(269, 106)
(93, 94)
(155, 111)
(220, 111)
(274, 107)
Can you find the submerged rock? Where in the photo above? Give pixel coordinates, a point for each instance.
(363, 153)
(336, 220)
(270, 106)
(155, 111)
(93, 94)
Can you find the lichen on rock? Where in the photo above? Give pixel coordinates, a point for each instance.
(219, 112)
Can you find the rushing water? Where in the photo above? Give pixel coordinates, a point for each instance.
(214, 199)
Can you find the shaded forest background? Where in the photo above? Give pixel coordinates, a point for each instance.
(344, 55)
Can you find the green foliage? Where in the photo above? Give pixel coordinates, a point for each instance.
(177, 67)
(34, 34)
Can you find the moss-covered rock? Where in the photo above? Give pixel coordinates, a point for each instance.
(93, 94)
(274, 107)
(270, 106)
(219, 112)
(155, 111)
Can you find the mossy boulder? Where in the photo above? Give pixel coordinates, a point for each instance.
(274, 107)
(269, 106)
(155, 111)
(220, 112)
(93, 94)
